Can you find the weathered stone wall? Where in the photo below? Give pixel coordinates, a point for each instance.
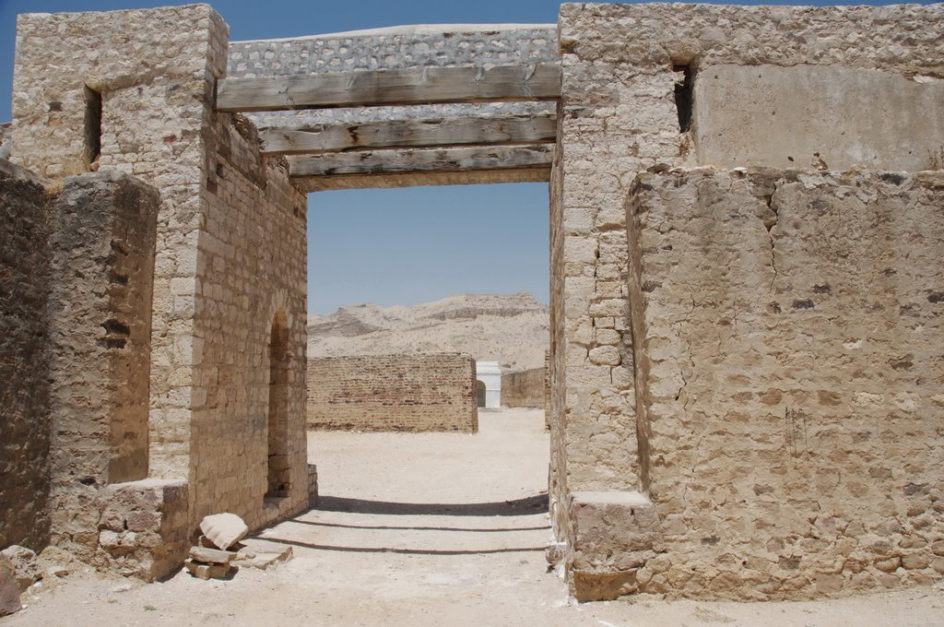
(101, 249)
(251, 269)
(791, 325)
(621, 66)
(24, 388)
(525, 388)
(230, 243)
(155, 92)
(432, 392)
(5, 132)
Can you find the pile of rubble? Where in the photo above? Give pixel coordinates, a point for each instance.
(21, 568)
(219, 553)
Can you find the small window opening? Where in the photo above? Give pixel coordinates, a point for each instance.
(684, 95)
(93, 124)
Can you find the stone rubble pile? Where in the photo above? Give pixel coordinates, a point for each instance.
(21, 568)
(219, 552)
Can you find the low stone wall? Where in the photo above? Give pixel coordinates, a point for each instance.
(788, 331)
(527, 388)
(393, 393)
(24, 387)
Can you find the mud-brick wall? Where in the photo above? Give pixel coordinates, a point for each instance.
(24, 390)
(524, 389)
(432, 392)
(789, 339)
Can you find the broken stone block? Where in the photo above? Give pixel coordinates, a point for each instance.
(206, 555)
(263, 559)
(9, 588)
(207, 571)
(224, 530)
(23, 561)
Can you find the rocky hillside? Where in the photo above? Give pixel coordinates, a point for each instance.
(510, 329)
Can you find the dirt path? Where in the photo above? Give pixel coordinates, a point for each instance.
(432, 529)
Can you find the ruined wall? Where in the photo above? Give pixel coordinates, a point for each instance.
(393, 393)
(792, 324)
(155, 91)
(101, 249)
(629, 75)
(525, 388)
(230, 247)
(24, 389)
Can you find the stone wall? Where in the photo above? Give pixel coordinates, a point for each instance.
(251, 274)
(24, 388)
(630, 74)
(155, 92)
(230, 244)
(524, 389)
(432, 392)
(101, 249)
(790, 325)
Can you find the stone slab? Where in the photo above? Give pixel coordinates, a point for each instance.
(207, 555)
(224, 530)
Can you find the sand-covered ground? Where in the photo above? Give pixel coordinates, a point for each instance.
(427, 529)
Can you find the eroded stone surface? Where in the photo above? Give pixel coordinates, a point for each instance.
(788, 328)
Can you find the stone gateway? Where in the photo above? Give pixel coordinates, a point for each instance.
(746, 291)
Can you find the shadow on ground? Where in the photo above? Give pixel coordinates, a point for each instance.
(518, 507)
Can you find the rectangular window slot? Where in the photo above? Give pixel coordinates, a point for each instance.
(684, 95)
(93, 124)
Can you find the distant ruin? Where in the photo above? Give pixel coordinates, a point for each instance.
(393, 393)
(746, 291)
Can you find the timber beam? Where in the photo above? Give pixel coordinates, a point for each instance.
(425, 85)
(418, 160)
(495, 131)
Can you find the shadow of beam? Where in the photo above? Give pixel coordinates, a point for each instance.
(418, 528)
(519, 507)
(358, 549)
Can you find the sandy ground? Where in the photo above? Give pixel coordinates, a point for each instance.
(431, 529)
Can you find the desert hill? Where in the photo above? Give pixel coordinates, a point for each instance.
(510, 329)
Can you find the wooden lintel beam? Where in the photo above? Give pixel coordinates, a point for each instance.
(468, 177)
(425, 85)
(408, 133)
(409, 160)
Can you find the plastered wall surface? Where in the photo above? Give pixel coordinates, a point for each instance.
(24, 390)
(849, 116)
(433, 392)
(791, 326)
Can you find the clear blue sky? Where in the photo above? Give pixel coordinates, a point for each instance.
(401, 246)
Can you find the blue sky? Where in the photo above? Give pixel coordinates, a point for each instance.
(401, 246)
